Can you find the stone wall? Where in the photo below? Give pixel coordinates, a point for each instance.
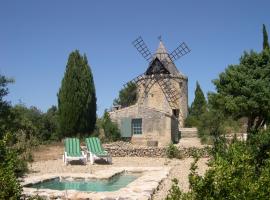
(125, 149)
(156, 125)
(155, 97)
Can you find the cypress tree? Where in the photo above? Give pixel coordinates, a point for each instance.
(77, 98)
(199, 104)
(265, 38)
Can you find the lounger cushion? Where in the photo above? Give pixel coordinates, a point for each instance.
(72, 147)
(94, 146)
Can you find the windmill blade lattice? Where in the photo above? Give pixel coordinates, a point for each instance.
(136, 80)
(169, 91)
(180, 51)
(140, 45)
(148, 83)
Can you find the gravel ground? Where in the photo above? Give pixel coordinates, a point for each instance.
(179, 170)
(48, 159)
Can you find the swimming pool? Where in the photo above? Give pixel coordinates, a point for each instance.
(114, 183)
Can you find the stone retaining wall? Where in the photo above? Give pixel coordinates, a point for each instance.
(125, 149)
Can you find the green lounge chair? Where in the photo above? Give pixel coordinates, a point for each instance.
(73, 151)
(96, 151)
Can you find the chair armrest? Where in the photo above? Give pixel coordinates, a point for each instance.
(83, 153)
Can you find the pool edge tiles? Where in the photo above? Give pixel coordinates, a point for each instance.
(141, 188)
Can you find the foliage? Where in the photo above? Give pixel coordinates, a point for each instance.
(214, 123)
(175, 192)
(243, 90)
(127, 96)
(111, 130)
(77, 97)
(173, 152)
(9, 185)
(21, 129)
(265, 38)
(197, 109)
(237, 171)
(34, 123)
(23, 145)
(199, 104)
(4, 105)
(50, 125)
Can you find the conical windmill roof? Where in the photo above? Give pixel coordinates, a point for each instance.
(163, 56)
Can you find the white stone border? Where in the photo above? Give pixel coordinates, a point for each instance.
(141, 188)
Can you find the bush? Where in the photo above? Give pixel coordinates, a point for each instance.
(213, 124)
(173, 152)
(24, 147)
(111, 130)
(175, 192)
(9, 185)
(236, 172)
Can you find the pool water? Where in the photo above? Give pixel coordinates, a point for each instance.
(95, 185)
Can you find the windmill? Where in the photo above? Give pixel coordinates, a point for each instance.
(161, 70)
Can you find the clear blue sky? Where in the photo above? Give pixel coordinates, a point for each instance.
(36, 38)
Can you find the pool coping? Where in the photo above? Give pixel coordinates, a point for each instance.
(141, 188)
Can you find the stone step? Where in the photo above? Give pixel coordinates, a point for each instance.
(138, 141)
(188, 132)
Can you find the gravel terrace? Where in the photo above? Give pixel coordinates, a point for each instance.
(48, 159)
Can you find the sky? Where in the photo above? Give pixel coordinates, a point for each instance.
(37, 37)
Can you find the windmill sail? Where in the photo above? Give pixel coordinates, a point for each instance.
(142, 48)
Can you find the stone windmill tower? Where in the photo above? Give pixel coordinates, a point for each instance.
(163, 86)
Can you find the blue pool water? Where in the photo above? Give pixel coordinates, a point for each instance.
(95, 185)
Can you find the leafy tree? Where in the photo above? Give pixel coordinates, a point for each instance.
(243, 90)
(50, 124)
(27, 119)
(77, 97)
(127, 96)
(265, 38)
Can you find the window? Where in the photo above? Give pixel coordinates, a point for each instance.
(176, 112)
(136, 126)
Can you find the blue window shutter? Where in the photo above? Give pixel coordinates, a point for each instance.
(126, 127)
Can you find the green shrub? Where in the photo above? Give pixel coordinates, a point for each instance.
(236, 172)
(23, 146)
(9, 185)
(173, 152)
(111, 130)
(175, 192)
